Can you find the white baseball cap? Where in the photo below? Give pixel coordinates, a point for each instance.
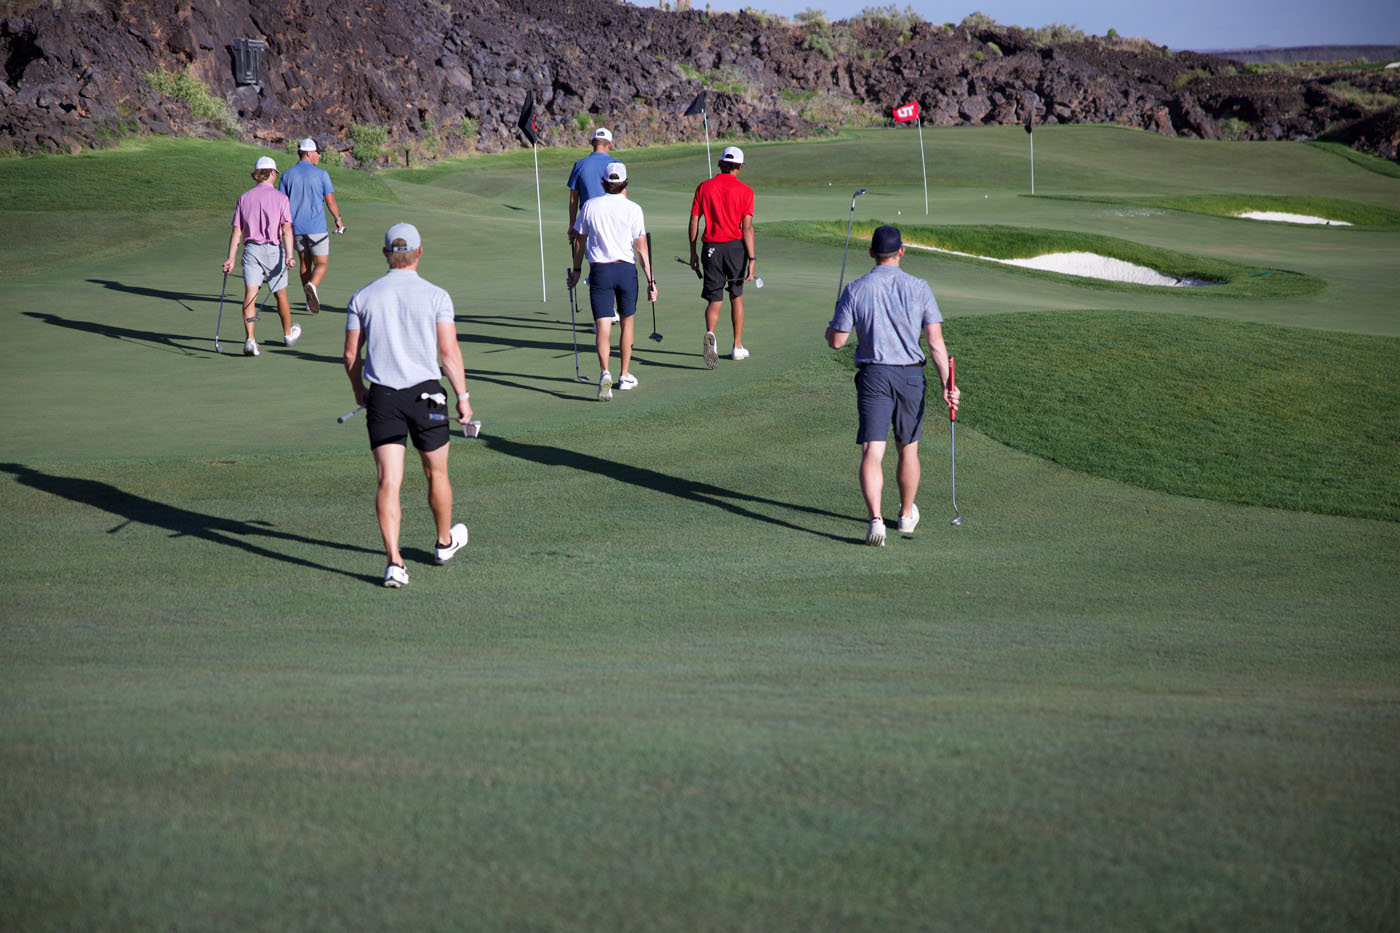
(307, 145)
(406, 232)
(732, 154)
(615, 171)
(602, 132)
(265, 162)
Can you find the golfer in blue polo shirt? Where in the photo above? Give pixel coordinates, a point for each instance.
(586, 177)
(888, 310)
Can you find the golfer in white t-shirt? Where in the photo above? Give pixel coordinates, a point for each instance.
(612, 233)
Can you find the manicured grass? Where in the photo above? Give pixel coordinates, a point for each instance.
(1338, 209)
(1230, 279)
(665, 686)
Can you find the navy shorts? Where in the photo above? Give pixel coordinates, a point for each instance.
(612, 284)
(393, 415)
(722, 263)
(890, 396)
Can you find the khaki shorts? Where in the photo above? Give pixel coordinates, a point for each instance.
(317, 244)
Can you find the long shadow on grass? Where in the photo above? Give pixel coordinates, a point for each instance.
(704, 493)
(158, 341)
(585, 345)
(178, 521)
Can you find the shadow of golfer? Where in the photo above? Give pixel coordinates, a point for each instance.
(179, 522)
(691, 490)
(161, 294)
(155, 339)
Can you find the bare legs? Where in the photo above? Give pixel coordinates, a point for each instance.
(872, 476)
(389, 460)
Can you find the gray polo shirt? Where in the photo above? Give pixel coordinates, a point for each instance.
(399, 314)
(887, 309)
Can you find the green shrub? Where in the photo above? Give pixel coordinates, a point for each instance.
(367, 141)
(977, 20)
(977, 56)
(1232, 129)
(467, 128)
(192, 92)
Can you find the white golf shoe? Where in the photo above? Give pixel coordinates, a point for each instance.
(396, 575)
(459, 540)
(739, 354)
(605, 386)
(875, 534)
(291, 338)
(908, 522)
(626, 382)
(707, 350)
(250, 347)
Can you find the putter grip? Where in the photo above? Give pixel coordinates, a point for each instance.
(952, 412)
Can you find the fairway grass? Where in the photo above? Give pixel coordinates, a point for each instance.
(666, 686)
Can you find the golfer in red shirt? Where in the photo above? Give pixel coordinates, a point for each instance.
(726, 203)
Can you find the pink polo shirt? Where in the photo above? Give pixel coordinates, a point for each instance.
(261, 211)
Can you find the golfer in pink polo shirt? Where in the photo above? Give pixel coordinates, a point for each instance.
(262, 218)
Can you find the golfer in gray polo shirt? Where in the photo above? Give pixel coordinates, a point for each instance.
(889, 310)
(406, 324)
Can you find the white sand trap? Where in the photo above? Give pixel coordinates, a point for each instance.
(1085, 265)
(1287, 218)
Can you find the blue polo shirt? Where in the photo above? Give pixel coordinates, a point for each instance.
(887, 309)
(587, 175)
(306, 186)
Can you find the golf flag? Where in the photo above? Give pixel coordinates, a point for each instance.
(527, 119)
(1029, 120)
(698, 106)
(907, 112)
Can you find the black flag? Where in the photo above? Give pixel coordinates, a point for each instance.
(527, 119)
(1029, 118)
(697, 105)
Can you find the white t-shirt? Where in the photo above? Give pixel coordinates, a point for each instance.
(611, 223)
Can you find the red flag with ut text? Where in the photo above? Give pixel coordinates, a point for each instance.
(907, 112)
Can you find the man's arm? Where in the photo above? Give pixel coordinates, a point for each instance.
(355, 365)
(573, 213)
(640, 245)
(836, 339)
(746, 226)
(694, 232)
(576, 249)
(233, 239)
(933, 333)
(335, 210)
(450, 353)
(288, 241)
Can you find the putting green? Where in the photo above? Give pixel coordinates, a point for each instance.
(665, 680)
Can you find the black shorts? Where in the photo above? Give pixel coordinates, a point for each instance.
(890, 396)
(722, 264)
(392, 415)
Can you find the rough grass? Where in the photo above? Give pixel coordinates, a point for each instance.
(1233, 280)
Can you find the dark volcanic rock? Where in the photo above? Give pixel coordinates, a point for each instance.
(444, 76)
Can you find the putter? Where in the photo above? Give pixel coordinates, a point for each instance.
(757, 282)
(573, 318)
(953, 446)
(849, 223)
(220, 323)
(349, 414)
(651, 259)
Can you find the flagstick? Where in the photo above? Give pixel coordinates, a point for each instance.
(920, 124)
(539, 209)
(1032, 136)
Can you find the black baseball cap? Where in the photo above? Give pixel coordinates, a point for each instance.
(886, 239)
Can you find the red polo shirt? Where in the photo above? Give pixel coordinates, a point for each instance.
(724, 201)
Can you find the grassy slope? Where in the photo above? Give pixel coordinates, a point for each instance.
(664, 686)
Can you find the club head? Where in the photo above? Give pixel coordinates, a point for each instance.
(582, 378)
(218, 349)
(956, 521)
(859, 192)
(656, 337)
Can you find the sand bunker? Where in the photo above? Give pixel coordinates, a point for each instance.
(1287, 218)
(1085, 265)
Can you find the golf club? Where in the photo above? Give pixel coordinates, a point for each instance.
(686, 262)
(953, 446)
(220, 323)
(757, 282)
(573, 318)
(849, 223)
(349, 414)
(651, 258)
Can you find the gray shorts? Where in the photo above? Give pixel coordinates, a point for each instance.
(317, 244)
(264, 262)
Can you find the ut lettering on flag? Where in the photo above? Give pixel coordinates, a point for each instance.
(907, 112)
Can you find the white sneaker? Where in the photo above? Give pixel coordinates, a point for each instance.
(250, 347)
(292, 338)
(605, 386)
(907, 522)
(313, 300)
(396, 575)
(459, 539)
(708, 350)
(615, 317)
(739, 354)
(875, 534)
(627, 382)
